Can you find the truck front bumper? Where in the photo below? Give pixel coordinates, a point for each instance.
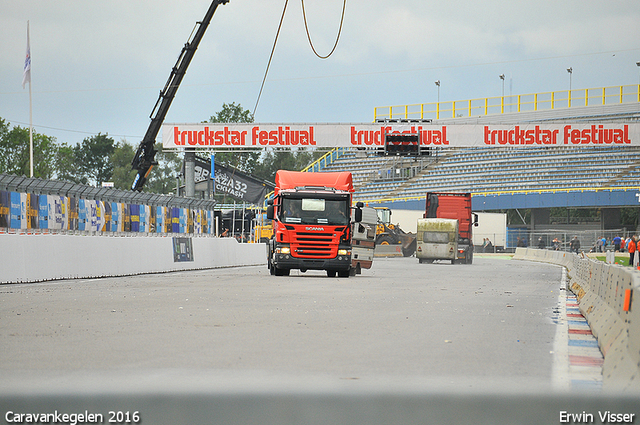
(286, 261)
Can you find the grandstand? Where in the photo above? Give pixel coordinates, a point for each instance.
(492, 170)
(501, 170)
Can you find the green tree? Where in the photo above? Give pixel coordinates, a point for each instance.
(242, 160)
(122, 176)
(231, 112)
(163, 177)
(65, 163)
(92, 158)
(14, 145)
(284, 159)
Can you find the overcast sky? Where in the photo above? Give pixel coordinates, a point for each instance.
(98, 66)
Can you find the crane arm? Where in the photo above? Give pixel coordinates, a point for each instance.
(144, 159)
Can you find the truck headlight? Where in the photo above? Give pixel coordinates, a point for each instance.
(283, 250)
(344, 252)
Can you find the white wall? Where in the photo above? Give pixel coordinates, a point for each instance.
(40, 257)
(492, 226)
(407, 219)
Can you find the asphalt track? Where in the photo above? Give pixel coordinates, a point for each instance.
(457, 325)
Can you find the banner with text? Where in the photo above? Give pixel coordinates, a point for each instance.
(240, 136)
(230, 181)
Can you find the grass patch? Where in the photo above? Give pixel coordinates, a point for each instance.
(620, 260)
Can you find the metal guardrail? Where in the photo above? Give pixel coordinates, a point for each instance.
(36, 186)
(513, 103)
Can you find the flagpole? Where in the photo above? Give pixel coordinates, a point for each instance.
(30, 129)
(26, 78)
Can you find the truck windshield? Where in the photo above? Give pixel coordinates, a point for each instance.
(314, 211)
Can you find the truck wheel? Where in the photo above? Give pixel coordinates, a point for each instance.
(343, 273)
(281, 272)
(453, 261)
(384, 240)
(331, 273)
(468, 259)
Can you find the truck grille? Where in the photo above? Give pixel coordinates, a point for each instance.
(314, 244)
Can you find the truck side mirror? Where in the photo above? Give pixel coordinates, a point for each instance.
(475, 220)
(270, 215)
(357, 214)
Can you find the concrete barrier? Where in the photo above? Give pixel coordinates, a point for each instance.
(605, 294)
(388, 251)
(41, 257)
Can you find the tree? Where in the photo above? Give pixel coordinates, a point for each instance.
(163, 177)
(123, 175)
(14, 145)
(65, 163)
(93, 159)
(231, 112)
(244, 160)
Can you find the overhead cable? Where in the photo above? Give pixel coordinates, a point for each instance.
(306, 27)
(273, 49)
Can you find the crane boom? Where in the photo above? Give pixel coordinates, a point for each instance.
(144, 159)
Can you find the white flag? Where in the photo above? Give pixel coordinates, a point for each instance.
(26, 76)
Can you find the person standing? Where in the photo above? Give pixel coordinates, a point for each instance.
(616, 243)
(575, 244)
(632, 247)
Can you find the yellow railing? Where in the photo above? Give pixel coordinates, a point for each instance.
(506, 192)
(515, 103)
(325, 160)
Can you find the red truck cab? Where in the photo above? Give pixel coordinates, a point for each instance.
(311, 215)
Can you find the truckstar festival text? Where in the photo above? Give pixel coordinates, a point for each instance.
(349, 135)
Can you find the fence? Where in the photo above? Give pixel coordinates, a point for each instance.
(515, 103)
(35, 205)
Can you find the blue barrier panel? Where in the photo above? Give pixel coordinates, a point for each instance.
(43, 212)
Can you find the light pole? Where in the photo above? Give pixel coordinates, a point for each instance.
(502, 99)
(438, 104)
(570, 71)
(638, 65)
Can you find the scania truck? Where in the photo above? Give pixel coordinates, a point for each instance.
(312, 223)
(446, 231)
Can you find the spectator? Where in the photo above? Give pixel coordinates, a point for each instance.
(521, 243)
(556, 244)
(489, 246)
(575, 244)
(541, 244)
(616, 243)
(632, 247)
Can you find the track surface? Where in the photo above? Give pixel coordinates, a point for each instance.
(490, 321)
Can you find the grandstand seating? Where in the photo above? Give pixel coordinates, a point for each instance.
(503, 169)
(481, 170)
